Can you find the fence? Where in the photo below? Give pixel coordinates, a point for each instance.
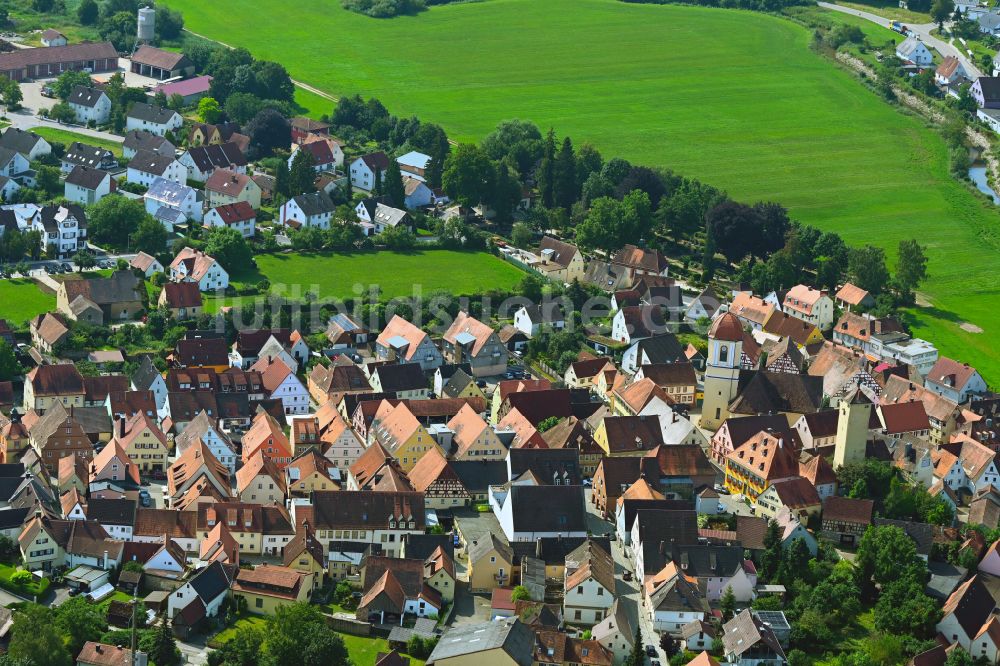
(349, 625)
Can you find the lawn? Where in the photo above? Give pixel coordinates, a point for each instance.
(339, 276)
(228, 633)
(31, 589)
(733, 97)
(22, 300)
(67, 137)
(363, 650)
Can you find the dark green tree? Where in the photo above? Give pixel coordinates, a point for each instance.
(911, 266)
(150, 236)
(9, 367)
(393, 186)
(80, 621)
(298, 635)
(282, 183)
(866, 266)
(564, 175)
(229, 248)
(161, 646)
(728, 603)
(87, 12)
(547, 170)
(113, 219)
(302, 174)
(36, 638)
(468, 175)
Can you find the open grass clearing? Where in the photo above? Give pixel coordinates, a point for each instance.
(67, 137)
(22, 300)
(341, 276)
(742, 103)
(363, 650)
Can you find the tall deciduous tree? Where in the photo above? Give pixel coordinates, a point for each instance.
(867, 269)
(268, 131)
(9, 367)
(36, 638)
(229, 248)
(468, 175)
(113, 219)
(911, 266)
(209, 110)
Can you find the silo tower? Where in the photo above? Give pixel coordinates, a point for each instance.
(147, 25)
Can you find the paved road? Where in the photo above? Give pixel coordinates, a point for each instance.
(922, 31)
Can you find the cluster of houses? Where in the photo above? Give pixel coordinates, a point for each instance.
(343, 469)
(210, 181)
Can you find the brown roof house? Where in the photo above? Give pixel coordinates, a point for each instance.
(561, 261)
(183, 299)
(48, 330)
(846, 519)
(98, 301)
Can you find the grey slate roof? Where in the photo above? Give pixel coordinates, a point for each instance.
(564, 508)
(140, 140)
(86, 177)
(19, 140)
(86, 155)
(510, 635)
(84, 96)
(213, 156)
(148, 162)
(151, 113)
(315, 203)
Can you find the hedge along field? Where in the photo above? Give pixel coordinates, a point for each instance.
(734, 98)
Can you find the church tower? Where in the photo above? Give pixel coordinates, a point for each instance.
(853, 416)
(722, 369)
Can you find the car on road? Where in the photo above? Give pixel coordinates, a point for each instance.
(650, 651)
(721, 489)
(66, 267)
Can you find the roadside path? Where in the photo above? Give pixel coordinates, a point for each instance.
(921, 30)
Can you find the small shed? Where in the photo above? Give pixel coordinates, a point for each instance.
(86, 578)
(129, 581)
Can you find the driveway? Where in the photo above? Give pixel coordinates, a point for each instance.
(469, 608)
(922, 31)
(33, 101)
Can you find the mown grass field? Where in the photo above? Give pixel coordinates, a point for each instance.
(735, 98)
(21, 299)
(67, 137)
(340, 276)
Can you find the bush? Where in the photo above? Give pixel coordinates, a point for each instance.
(21, 578)
(383, 8)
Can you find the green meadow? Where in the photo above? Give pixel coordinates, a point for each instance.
(735, 98)
(342, 276)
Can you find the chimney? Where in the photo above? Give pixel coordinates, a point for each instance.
(538, 548)
(106, 560)
(38, 513)
(663, 548)
(121, 427)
